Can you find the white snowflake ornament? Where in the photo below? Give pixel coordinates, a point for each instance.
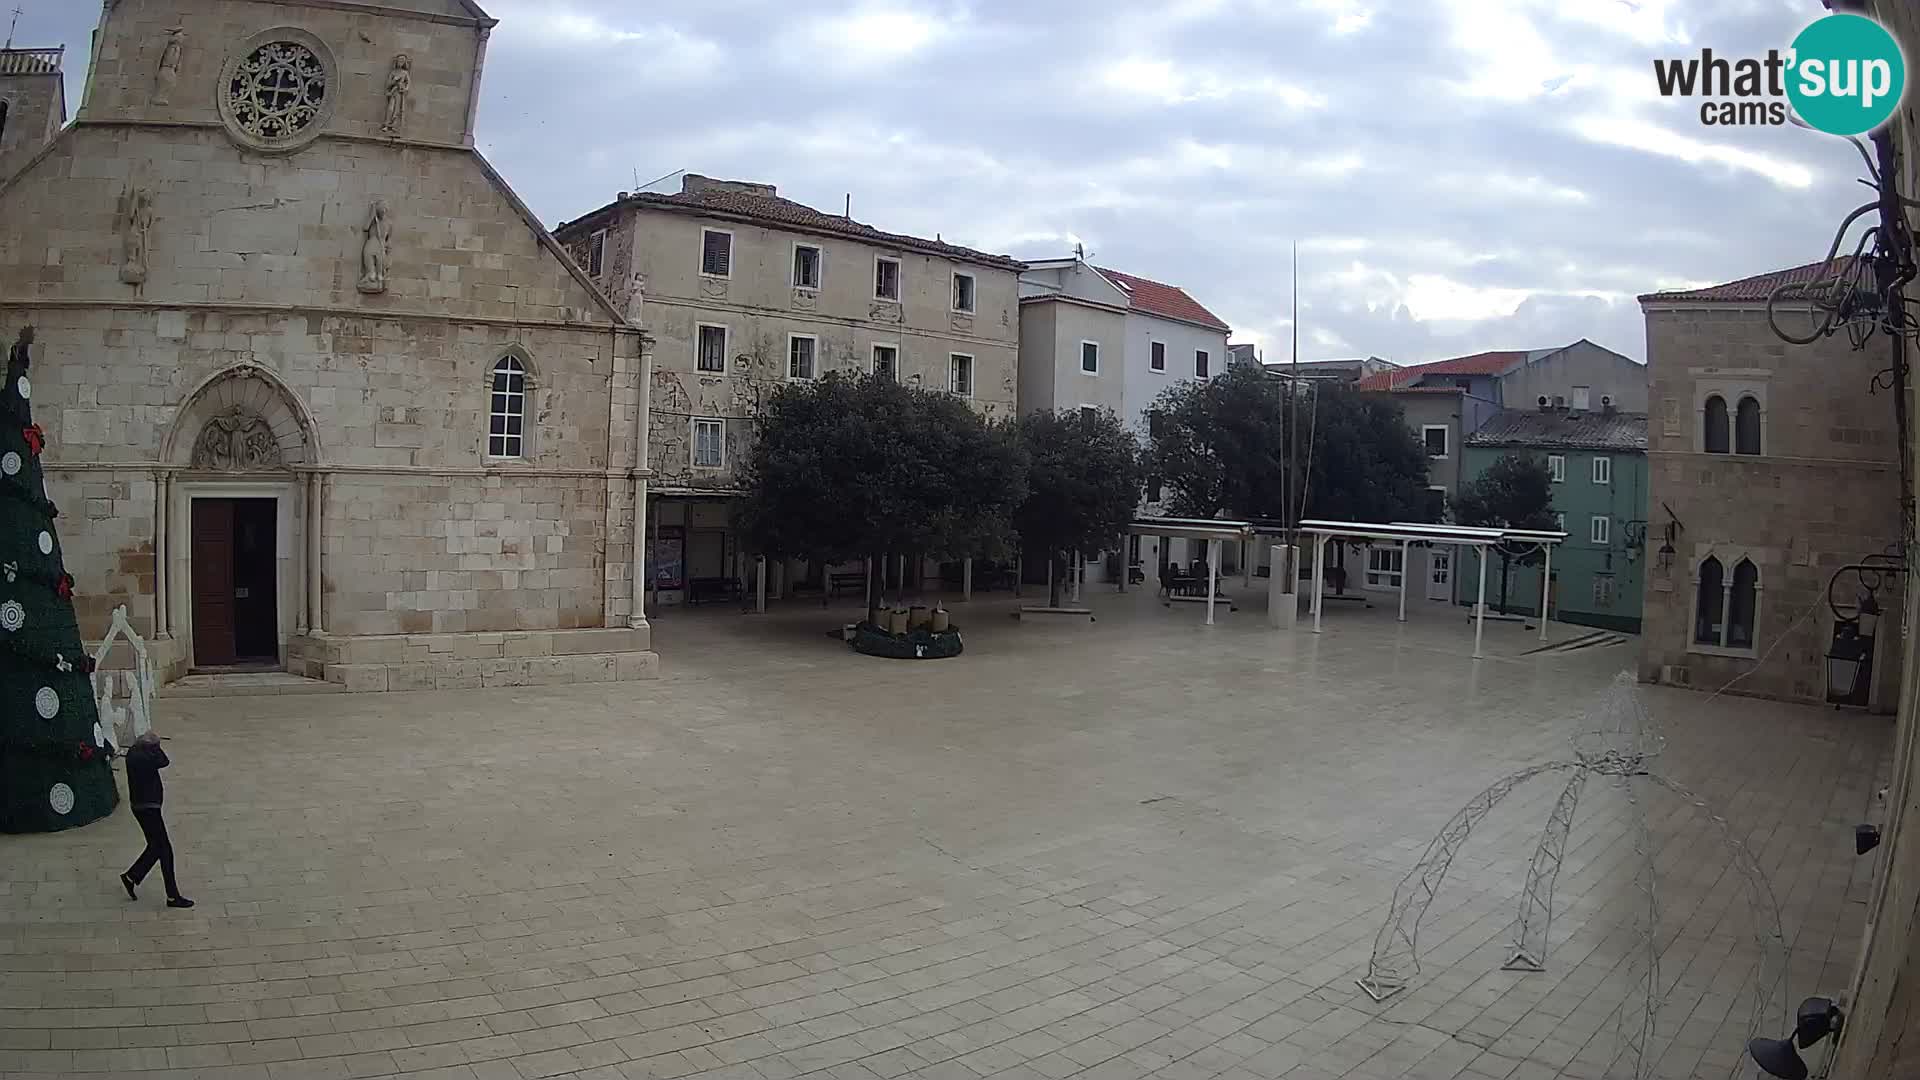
(25, 388)
(12, 616)
(61, 663)
(46, 703)
(60, 797)
(46, 542)
(12, 570)
(10, 463)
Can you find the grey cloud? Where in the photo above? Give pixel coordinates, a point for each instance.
(1201, 164)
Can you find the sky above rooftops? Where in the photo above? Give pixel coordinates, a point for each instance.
(1460, 176)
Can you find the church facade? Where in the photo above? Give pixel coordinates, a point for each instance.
(320, 392)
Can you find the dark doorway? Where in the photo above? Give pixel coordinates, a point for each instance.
(235, 583)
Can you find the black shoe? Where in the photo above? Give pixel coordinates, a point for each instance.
(179, 901)
(126, 883)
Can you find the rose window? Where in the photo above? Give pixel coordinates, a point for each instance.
(277, 91)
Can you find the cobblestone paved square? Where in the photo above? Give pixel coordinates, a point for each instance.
(1137, 848)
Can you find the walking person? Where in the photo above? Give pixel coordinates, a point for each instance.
(145, 792)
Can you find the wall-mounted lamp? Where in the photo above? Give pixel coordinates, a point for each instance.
(1817, 1019)
(1668, 533)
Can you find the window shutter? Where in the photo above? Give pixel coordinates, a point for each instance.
(716, 255)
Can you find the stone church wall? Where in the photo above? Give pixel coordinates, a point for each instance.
(158, 256)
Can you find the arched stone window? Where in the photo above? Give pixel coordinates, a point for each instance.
(1746, 427)
(1716, 438)
(1726, 607)
(1709, 604)
(1743, 601)
(509, 388)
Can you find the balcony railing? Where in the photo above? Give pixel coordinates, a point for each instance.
(31, 61)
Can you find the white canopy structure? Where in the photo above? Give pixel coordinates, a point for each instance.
(1219, 532)
(1413, 532)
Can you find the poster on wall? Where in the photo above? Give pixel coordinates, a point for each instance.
(667, 557)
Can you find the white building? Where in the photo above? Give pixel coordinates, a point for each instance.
(1094, 337)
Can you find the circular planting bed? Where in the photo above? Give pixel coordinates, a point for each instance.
(921, 644)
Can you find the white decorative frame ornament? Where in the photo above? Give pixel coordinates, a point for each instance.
(122, 726)
(299, 103)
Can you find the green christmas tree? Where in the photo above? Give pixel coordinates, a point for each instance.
(54, 758)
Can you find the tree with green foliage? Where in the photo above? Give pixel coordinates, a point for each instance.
(54, 771)
(1219, 444)
(858, 466)
(1083, 483)
(1366, 463)
(1516, 492)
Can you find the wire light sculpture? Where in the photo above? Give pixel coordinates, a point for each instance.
(1618, 742)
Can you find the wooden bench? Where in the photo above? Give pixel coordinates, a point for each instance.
(853, 581)
(702, 589)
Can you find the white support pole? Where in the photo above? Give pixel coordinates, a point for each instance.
(1213, 576)
(1319, 577)
(1405, 569)
(966, 578)
(1546, 581)
(760, 571)
(1480, 605)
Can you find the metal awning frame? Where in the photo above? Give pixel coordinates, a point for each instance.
(1407, 533)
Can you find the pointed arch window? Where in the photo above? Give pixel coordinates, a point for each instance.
(1743, 598)
(1717, 436)
(1726, 607)
(1746, 426)
(1708, 606)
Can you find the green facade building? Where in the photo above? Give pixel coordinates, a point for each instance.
(1599, 464)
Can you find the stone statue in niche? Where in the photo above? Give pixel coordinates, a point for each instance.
(399, 82)
(373, 250)
(636, 299)
(169, 72)
(136, 220)
(236, 441)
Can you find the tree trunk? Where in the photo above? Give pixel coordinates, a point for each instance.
(1340, 569)
(1503, 582)
(1055, 568)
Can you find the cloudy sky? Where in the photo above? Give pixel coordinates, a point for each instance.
(1459, 174)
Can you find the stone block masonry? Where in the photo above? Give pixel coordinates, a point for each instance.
(356, 337)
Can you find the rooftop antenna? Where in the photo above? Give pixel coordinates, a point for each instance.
(11, 26)
(1293, 416)
(849, 214)
(1079, 251)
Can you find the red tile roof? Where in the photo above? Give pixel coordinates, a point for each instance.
(1755, 289)
(1158, 298)
(774, 210)
(1485, 363)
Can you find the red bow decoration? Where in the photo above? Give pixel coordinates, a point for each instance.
(64, 587)
(36, 438)
(86, 752)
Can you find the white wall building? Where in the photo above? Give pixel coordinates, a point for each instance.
(1090, 336)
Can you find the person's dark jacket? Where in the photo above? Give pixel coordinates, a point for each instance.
(144, 788)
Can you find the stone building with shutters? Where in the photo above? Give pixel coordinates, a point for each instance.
(744, 292)
(320, 392)
(33, 103)
(1772, 467)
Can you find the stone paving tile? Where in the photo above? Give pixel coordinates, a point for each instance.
(1138, 849)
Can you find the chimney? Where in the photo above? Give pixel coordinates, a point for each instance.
(694, 183)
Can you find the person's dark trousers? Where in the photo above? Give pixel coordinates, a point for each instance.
(159, 849)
